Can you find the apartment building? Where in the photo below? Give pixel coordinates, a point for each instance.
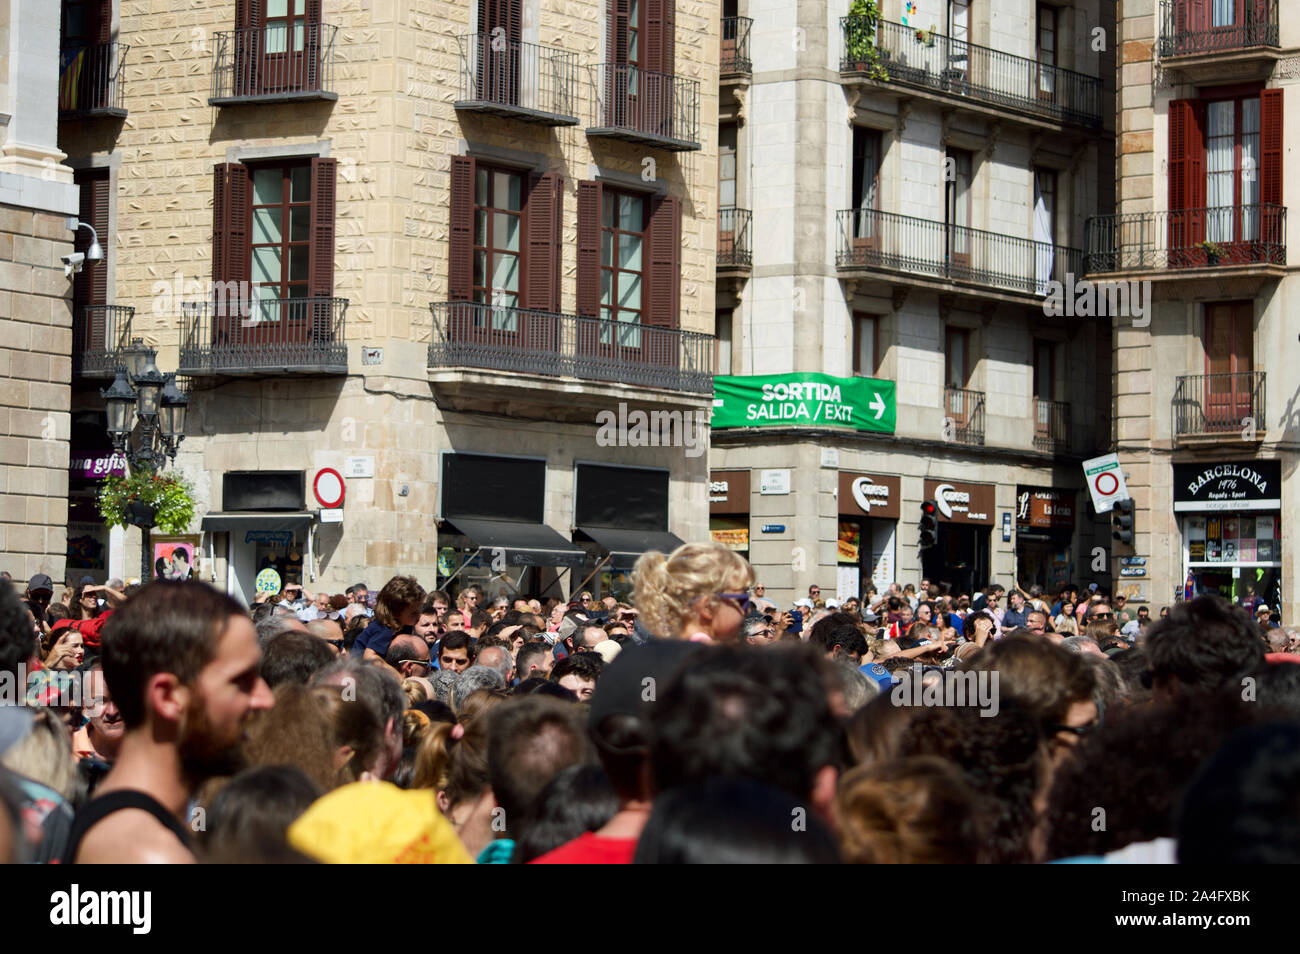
(1205, 409)
(406, 259)
(918, 182)
(37, 195)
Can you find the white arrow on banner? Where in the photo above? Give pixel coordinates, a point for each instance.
(878, 405)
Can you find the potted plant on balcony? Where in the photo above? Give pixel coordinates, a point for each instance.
(861, 52)
(1213, 252)
(147, 499)
(925, 37)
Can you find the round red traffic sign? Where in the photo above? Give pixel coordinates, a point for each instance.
(1106, 475)
(329, 488)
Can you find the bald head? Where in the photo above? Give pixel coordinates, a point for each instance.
(409, 655)
(498, 658)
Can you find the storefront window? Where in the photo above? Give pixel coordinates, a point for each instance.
(1235, 555)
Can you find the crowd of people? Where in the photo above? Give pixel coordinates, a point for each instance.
(697, 721)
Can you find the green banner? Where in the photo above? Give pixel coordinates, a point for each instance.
(803, 400)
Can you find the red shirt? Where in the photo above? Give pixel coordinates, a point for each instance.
(590, 850)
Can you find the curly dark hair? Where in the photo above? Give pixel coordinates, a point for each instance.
(1134, 767)
(1003, 760)
(1205, 645)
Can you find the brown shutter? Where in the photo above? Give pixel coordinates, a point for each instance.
(460, 253)
(664, 238)
(618, 12)
(660, 35)
(1178, 110)
(103, 32)
(320, 269)
(91, 284)
(589, 203)
(1186, 179)
(250, 14)
(1270, 174)
(541, 290)
(313, 11)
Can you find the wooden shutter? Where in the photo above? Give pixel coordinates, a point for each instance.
(91, 284)
(102, 30)
(659, 35)
(460, 253)
(251, 14)
(664, 239)
(1270, 173)
(542, 220)
(1186, 178)
(320, 268)
(232, 250)
(589, 204)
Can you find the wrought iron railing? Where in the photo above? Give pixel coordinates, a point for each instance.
(91, 81)
(734, 250)
(734, 58)
(519, 79)
(644, 106)
(274, 62)
(931, 61)
(1188, 27)
(487, 337)
(1208, 404)
(266, 335)
(964, 413)
(99, 332)
(1187, 238)
(1051, 426)
(872, 239)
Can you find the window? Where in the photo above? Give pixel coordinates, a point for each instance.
(498, 226)
(1225, 177)
(1044, 366)
(864, 345)
(727, 166)
(285, 19)
(722, 345)
(959, 35)
(504, 242)
(500, 26)
(281, 236)
(622, 225)
(1229, 359)
(90, 287)
(1046, 50)
(641, 43)
(956, 341)
(866, 182)
(957, 181)
(273, 228)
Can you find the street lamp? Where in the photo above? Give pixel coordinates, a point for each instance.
(146, 422)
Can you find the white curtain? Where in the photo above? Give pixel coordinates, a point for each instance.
(1219, 171)
(1250, 169)
(1043, 248)
(1224, 13)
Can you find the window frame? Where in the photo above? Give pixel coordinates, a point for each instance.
(862, 321)
(610, 312)
(286, 243)
(491, 250)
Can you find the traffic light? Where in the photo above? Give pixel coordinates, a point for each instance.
(1121, 521)
(929, 525)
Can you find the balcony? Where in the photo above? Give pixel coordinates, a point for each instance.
(99, 332)
(1216, 41)
(1051, 426)
(1247, 241)
(646, 108)
(537, 84)
(949, 257)
(1212, 408)
(964, 416)
(986, 80)
(260, 65)
(91, 83)
(734, 253)
(561, 367)
(267, 336)
(733, 61)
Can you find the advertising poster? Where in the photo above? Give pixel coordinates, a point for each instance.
(850, 542)
(175, 558)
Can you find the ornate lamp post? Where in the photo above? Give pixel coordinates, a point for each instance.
(146, 421)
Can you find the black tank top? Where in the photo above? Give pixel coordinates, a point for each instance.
(101, 807)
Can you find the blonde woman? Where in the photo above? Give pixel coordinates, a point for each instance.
(699, 592)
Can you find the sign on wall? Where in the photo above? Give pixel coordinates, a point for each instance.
(808, 399)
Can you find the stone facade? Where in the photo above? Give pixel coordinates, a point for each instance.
(393, 131)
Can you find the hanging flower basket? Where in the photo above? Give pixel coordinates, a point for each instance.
(146, 499)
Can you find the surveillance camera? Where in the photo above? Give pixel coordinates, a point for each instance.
(72, 263)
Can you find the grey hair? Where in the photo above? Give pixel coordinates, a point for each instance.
(751, 625)
(473, 679)
(1075, 644)
(272, 625)
(858, 689)
(374, 687)
(442, 684)
(503, 667)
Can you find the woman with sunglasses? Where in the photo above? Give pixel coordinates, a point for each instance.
(699, 592)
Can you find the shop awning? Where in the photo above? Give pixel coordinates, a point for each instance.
(525, 544)
(270, 520)
(624, 546)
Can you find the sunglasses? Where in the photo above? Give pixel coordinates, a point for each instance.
(740, 599)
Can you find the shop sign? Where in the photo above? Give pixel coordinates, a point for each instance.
(1044, 508)
(869, 495)
(962, 503)
(729, 491)
(1241, 485)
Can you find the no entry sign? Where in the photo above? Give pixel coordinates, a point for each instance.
(1105, 481)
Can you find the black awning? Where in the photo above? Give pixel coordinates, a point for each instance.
(525, 544)
(624, 546)
(268, 520)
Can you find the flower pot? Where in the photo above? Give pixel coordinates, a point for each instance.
(141, 514)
